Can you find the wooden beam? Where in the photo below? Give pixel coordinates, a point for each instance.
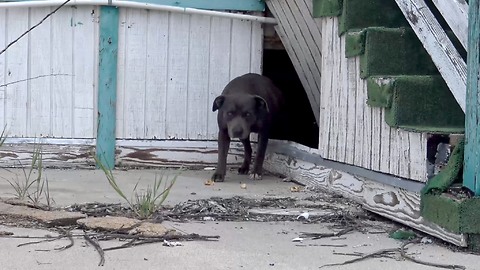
(107, 85)
(471, 172)
(446, 58)
(455, 13)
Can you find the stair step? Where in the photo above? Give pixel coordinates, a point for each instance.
(417, 103)
(389, 51)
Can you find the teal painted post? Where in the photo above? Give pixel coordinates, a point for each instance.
(471, 171)
(107, 86)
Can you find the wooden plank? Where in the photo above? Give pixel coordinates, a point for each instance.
(84, 69)
(384, 144)
(471, 173)
(367, 126)
(256, 62)
(395, 203)
(327, 69)
(377, 120)
(107, 85)
(198, 68)
(334, 95)
(359, 119)
(156, 74)
(96, 10)
(312, 86)
(307, 45)
(245, 5)
(352, 74)
(176, 114)
(40, 65)
(240, 48)
(418, 156)
(314, 25)
(403, 147)
(219, 68)
(446, 58)
(62, 63)
(121, 70)
(394, 151)
(16, 69)
(3, 73)
(343, 105)
(136, 70)
(455, 14)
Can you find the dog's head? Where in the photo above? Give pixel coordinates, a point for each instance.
(239, 113)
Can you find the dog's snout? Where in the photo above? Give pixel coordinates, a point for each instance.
(237, 132)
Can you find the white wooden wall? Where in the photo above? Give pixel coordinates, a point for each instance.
(353, 132)
(59, 57)
(171, 68)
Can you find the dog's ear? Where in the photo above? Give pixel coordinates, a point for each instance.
(261, 103)
(218, 102)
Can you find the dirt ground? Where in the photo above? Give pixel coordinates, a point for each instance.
(257, 223)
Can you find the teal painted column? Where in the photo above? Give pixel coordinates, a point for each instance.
(471, 171)
(107, 86)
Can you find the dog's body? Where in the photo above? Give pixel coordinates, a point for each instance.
(249, 103)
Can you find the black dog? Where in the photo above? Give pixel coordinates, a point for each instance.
(249, 103)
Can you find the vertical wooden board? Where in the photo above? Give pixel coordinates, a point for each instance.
(96, 20)
(307, 46)
(122, 72)
(404, 148)
(367, 129)
(156, 74)
(359, 119)
(62, 63)
(84, 69)
(256, 62)
(394, 153)
(352, 71)
(376, 137)
(310, 87)
(342, 106)
(3, 74)
(241, 48)
(198, 67)
(39, 59)
(418, 156)
(384, 144)
(219, 68)
(327, 71)
(334, 101)
(17, 69)
(176, 114)
(135, 77)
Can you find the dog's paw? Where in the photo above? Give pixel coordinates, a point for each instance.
(218, 177)
(243, 170)
(255, 176)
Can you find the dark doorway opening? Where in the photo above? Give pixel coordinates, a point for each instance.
(302, 124)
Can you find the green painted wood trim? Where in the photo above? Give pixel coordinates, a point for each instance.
(107, 85)
(355, 43)
(243, 5)
(471, 175)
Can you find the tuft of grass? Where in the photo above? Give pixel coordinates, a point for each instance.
(22, 187)
(145, 203)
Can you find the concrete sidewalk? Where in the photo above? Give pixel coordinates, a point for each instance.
(242, 245)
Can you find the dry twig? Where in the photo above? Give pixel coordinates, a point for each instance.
(97, 247)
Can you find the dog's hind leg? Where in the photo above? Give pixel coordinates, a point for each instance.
(247, 156)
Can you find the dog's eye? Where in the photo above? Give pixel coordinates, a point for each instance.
(229, 113)
(247, 114)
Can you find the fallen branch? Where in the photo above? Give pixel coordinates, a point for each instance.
(316, 236)
(97, 247)
(33, 27)
(410, 258)
(366, 256)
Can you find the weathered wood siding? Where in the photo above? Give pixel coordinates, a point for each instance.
(171, 68)
(60, 58)
(353, 132)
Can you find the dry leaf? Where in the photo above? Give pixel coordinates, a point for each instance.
(295, 189)
(209, 183)
(243, 186)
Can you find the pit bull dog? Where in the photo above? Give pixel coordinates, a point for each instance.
(249, 103)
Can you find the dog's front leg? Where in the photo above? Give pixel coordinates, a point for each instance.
(223, 145)
(256, 173)
(247, 156)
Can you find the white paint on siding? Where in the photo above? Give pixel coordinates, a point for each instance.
(188, 60)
